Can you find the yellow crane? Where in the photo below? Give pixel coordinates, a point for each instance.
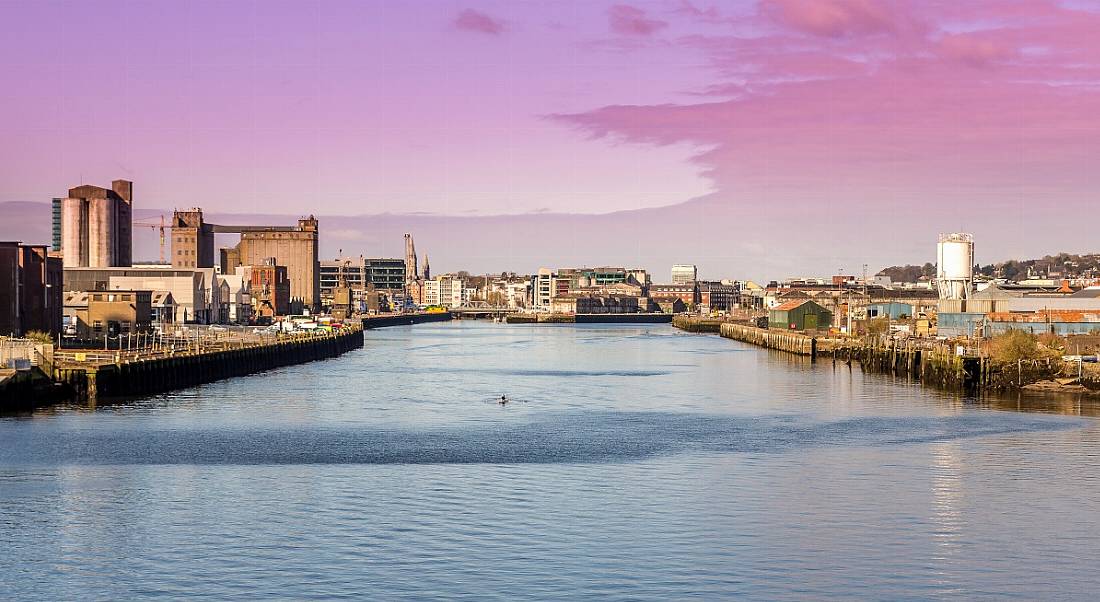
(156, 226)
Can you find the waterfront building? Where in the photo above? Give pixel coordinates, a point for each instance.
(583, 303)
(891, 310)
(30, 289)
(192, 240)
(684, 274)
(542, 288)
(385, 274)
(446, 291)
(93, 314)
(190, 288)
(162, 309)
(237, 298)
(716, 296)
(97, 224)
(295, 247)
(799, 315)
(270, 288)
(666, 294)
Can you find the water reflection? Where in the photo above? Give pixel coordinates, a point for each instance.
(646, 464)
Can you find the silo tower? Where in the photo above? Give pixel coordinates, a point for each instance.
(955, 266)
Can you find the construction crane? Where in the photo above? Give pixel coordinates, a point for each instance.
(160, 227)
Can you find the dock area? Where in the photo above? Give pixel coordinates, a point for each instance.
(406, 319)
(167, 363)
(943, 364)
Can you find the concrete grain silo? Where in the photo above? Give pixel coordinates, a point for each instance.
(74, 232)
(97, 226)
(102, 233)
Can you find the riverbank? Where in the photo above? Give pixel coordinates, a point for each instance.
(588, 318)
(942, 364)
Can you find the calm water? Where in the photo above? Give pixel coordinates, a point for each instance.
(642, 463)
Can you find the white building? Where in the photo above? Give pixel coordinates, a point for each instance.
(239, 299)
(446, 291)
(189, 290)
(684, 274)
(542, 289)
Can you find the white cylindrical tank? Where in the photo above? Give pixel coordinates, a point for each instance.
(955, 265)
(74, 232)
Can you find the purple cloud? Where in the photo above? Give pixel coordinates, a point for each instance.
(834, 18)
(627, 20)
(478, 22)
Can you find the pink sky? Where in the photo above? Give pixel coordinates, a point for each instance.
(809, 115)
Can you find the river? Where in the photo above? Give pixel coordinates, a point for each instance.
(634, 462)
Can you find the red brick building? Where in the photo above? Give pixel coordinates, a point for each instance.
(31, 296)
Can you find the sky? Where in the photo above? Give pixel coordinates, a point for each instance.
(804, 136)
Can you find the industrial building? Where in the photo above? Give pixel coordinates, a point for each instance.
(30, 289)
(94, 314)
(799, 315)
(192, 240)
(96, 225)
(295, 247)
(270, 289)
(190, 288)
(891, 310)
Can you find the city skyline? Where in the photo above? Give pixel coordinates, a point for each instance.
(785, 136)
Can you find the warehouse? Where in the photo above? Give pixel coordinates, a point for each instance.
(799, 315)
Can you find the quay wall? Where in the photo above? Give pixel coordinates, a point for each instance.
(370, 322)
(550, 318)
(697, 324)
(935, 364)
(791, 342)
(623, 318)
(145, 376)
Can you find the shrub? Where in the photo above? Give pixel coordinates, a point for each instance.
(878, 326)
(1052, 341)
(38, 336)
(1016, 345)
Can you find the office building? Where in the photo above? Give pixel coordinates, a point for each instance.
(684, 274)
(55, 223)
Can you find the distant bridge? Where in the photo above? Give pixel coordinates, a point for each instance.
(475, 309)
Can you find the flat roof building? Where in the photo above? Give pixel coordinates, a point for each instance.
(30, 289)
